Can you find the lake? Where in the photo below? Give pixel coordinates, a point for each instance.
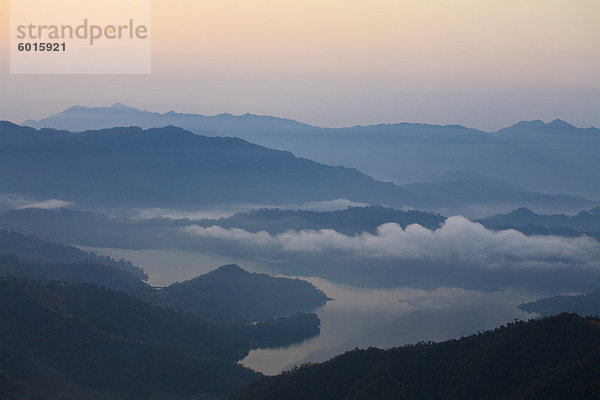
(363, 317)
(357, 317)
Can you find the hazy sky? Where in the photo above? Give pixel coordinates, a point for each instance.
(481, 63)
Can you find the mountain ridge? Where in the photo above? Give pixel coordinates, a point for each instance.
(525, 154)
(151, 164)
(90, 341)
(122, 107)
(232, 294)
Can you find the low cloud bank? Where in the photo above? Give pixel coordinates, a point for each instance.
(46, 204)
(458, 240)
(13, 201)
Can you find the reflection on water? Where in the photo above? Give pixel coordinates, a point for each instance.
(357, 317)
(361, 317)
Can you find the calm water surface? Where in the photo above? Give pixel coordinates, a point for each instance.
(361, 317)
(357, 317)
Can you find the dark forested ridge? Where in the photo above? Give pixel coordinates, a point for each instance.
(31, 257)
(274, 305)
(76, 272)
(81, 341)
(58, 338)
(228, 294)
(33, 248)
(582, 304)
(68, 327)
(231, 294)
(553, 358)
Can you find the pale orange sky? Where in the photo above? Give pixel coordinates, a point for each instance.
(481, 63)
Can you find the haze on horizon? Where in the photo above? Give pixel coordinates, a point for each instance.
(484, 65)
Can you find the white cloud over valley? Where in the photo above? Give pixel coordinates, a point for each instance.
(458, 240)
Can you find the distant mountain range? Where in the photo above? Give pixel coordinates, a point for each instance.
(474, 195)
(456, 193)
(552, 158)
(582, 222)
(554, 358)
(528, 222)
(173, 168)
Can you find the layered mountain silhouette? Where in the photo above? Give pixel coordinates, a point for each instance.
(472, 194)
(557, 139)
(171, 167)
(529, 222)
(553, 158)
(582, 221)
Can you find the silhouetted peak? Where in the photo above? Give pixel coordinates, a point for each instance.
(559, 123)
(538, 123)
(522, 212)
(122, 130)
(230, 269)
(122, 107)
(75, 108)
(8, 124)
(171, 130)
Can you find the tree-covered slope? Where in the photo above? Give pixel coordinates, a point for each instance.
(231, 294)
(110, 342)
(32, 248)
(75, 272)
(554, 358)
